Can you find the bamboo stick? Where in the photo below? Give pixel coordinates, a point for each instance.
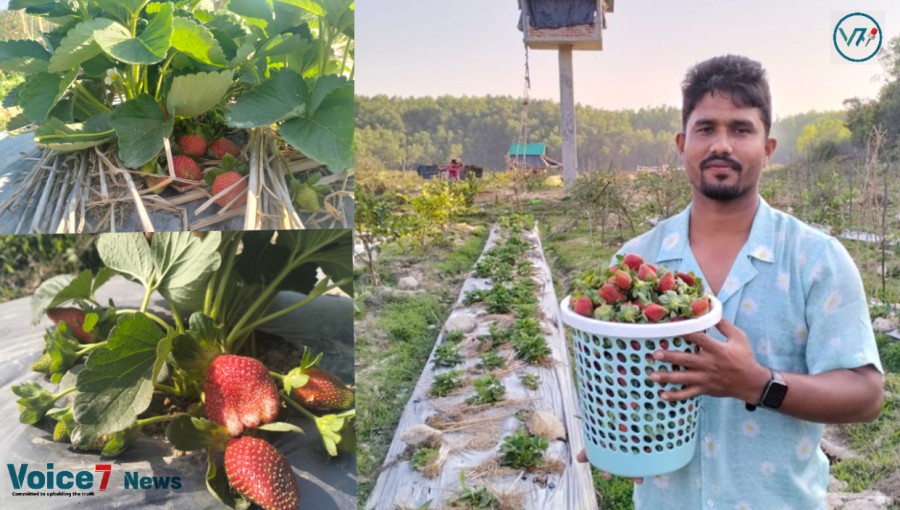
(42, 204)
(250, 218)
(212, 220)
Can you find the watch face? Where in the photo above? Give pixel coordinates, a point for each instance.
(775, 395)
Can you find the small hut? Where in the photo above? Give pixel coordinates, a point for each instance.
(532, 157)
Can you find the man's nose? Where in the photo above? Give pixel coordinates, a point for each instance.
(721, 143)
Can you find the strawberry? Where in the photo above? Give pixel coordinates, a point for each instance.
(239, 393)
(324, 391)
(186, 168)
(646, 272)
(686, 278)
(667, 282)
(604, 312)
(222, 146)
(225, 180)
(699, 306)
(192, 145)
(633, 261)
(610, 294)
(74, 319)
(622, 279)
(654, 312)
(42, 364)
(260, 473)
(583, 306)
(61, 432)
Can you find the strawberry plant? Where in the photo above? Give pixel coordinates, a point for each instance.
(522, 451)
(488, 389)
(447, 355)
(219, 289)
(113, 81)
(530, 381)
(491, 360)
(445, 383)
(454, 337)
(423, 457)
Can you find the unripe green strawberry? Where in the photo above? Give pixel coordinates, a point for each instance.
(628, 313)
(260, 473)
(348, 438)
(604, 312)
(42, 364)
(307, 198)
(61, 432)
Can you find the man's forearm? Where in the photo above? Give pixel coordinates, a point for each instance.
(839, 396)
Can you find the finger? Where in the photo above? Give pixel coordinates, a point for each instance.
(637, 480)
(702, 340)
(685, 359)
(682, 394)
(730, 331)
(679, 377)
(581, 457)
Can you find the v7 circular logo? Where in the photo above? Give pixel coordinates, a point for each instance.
(857, 37)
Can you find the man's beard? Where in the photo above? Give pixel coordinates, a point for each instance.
(720, 192)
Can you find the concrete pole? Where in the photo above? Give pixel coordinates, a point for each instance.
(567, 109)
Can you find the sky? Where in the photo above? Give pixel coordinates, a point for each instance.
(473, 48)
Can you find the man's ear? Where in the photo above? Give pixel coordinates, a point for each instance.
(771, 143)
(679, 142)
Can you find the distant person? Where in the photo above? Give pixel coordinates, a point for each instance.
(795, 348)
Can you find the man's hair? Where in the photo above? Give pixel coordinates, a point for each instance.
(730, 75)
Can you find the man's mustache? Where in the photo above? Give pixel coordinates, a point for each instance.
(718, 161)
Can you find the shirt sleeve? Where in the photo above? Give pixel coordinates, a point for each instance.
(840, 332)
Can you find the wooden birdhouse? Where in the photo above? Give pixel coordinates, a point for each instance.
(550, 24)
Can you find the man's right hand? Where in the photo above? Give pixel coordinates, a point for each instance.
(582, 457)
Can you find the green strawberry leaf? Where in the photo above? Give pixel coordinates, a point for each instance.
(58, 290)
(280, 426)
(116, 384)
(258, 10)
(184, 264)
(90, 320)
(308, 5)
(195, 94)
(330, 426)
(148, 48)
(284, 44)
(78, 46)
(35, 401)
(197, 41)
(63, 350)
(40, 93)
(56, 134)
(141, 128)
(189, 434)
(27, 57)
(129, 255)
(325, 135)
(217, 485)
(294, 379)
(121, 440)
(285, 95)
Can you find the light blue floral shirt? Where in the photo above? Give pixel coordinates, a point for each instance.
(797, 294)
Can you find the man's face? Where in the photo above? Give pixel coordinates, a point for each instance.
(724, 148)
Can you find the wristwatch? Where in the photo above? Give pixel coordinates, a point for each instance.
(773, 394)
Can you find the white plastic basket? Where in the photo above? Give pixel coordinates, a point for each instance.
(629, 430)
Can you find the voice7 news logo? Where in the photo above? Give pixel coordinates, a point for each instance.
(857, 37)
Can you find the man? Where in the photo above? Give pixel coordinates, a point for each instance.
(795, 348)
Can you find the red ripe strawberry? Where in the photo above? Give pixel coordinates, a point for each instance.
(583, 306)
(633, 261)
(239, 393)
(74, 319)
(667, 282)
(623, 280)
(610, 294)
(699, 306)
(224, 181)
(645, 272)
(324, 391)
(654, 312)
(186, 168)
(192, 145)
(222, 146)
(686, 278)
(260, 473)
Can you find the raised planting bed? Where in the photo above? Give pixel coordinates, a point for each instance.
(493, 420)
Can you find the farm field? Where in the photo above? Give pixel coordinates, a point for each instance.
(406, 293)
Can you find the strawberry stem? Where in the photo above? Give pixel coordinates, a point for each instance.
(149, 315)
(89, 347)
(297, 406)
(157, 419)
(168, 389)
(177, 318)
(276, 375)
(63, 393)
